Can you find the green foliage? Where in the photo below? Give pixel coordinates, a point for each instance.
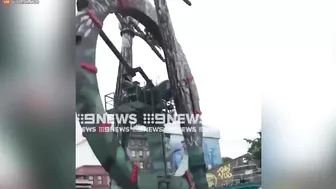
(255, 148)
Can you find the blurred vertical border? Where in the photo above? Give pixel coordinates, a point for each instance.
(37, 95)
(299, 105)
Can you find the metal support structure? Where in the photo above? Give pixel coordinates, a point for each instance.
(127, 35)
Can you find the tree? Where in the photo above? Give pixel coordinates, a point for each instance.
(255, 148)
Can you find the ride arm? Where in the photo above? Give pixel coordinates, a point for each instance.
(186, 94)
(88, 101)
(127, 35)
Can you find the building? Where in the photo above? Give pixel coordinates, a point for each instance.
(82, 183)
(237, 171)
(211, 147)
(93, 174)
(138, 151)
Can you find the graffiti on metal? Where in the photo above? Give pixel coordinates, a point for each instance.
(224, 172)
(233, 171)
(211, 179)
(220, 175)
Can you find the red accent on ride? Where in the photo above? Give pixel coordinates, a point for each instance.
(190, 78)
(188, 177)
(102, 126)
(105, 125)
(197, 111)
(89, 67)
(134, 173)
(94, 19)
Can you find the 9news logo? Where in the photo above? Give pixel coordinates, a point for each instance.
(6, 2)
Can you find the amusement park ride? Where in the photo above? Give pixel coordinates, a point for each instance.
(178, 93)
